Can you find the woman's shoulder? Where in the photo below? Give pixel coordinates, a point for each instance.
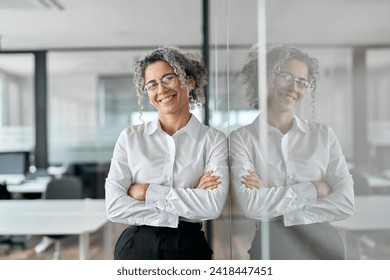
(138, 129)
(213, 131)
(318, 127)
(242, 133)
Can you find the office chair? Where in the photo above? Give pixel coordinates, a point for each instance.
(4, 193)
(361, 186)
(5, 241)
(68, 187)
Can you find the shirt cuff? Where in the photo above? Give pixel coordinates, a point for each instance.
(156, 194)
(306, 195)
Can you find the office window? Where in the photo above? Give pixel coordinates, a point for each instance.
(84, 92)
(118, 102)
(17, 102)
(378, 87)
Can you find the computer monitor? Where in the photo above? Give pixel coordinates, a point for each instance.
(14, 166)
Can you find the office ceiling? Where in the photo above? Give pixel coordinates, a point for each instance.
(59, 24)
(27, 25)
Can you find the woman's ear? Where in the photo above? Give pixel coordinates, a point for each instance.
(192, 83)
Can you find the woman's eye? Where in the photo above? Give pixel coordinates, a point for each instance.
(169, 78)
(151, 85)
(302, 83)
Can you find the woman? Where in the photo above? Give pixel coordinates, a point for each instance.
(170, 174)
(293, 176)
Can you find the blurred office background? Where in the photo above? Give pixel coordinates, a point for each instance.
(66, 86)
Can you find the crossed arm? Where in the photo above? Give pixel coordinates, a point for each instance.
(253, 181)
(208, 182)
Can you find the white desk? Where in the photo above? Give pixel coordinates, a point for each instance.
(375, 181)
(371, 216)
(68, 217)
(372, 212)
(37, 185)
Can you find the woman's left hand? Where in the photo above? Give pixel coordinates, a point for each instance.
(252, 181)
(208, 181)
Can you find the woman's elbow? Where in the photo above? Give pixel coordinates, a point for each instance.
(350, 209)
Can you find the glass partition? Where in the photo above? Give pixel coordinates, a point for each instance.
(90, 100)
(229, 44)
(378, 86)
(350, 99)
(17, 102)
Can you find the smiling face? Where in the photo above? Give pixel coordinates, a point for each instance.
(285, 96)
(170, 98)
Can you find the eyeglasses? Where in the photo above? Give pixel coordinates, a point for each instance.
(287, 78)
(169, 80)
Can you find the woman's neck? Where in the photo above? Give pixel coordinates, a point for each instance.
(171, 123)
(280, 120)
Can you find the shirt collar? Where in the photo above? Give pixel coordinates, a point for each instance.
(297, 124)
(301, 125)
(192, 128)
(152, 126)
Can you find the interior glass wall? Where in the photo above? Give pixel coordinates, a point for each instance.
(91, 98)
(229, 44)
(17, 102)
(378, 86)
(351, 98)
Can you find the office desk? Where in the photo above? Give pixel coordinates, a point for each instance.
(371, 213)
(67, 217)
(367, 230)
(378, 184)
(37, 185)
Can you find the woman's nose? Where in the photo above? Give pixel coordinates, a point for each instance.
(161, 88)
(293, 85)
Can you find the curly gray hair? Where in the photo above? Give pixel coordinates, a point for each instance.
(276, 58)
(185, 65)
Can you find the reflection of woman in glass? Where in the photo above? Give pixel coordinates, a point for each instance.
(295, 175)
(170, 174)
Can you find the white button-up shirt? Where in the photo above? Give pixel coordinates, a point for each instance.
(287, 164)
(173, 166)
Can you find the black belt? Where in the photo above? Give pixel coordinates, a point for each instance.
(183, 226)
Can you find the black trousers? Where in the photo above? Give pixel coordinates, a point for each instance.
(319, 241)
(187, 242)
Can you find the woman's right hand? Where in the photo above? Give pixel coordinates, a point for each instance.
(208, 181)
(323, 189)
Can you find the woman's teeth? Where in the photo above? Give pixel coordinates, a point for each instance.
(167, 99)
